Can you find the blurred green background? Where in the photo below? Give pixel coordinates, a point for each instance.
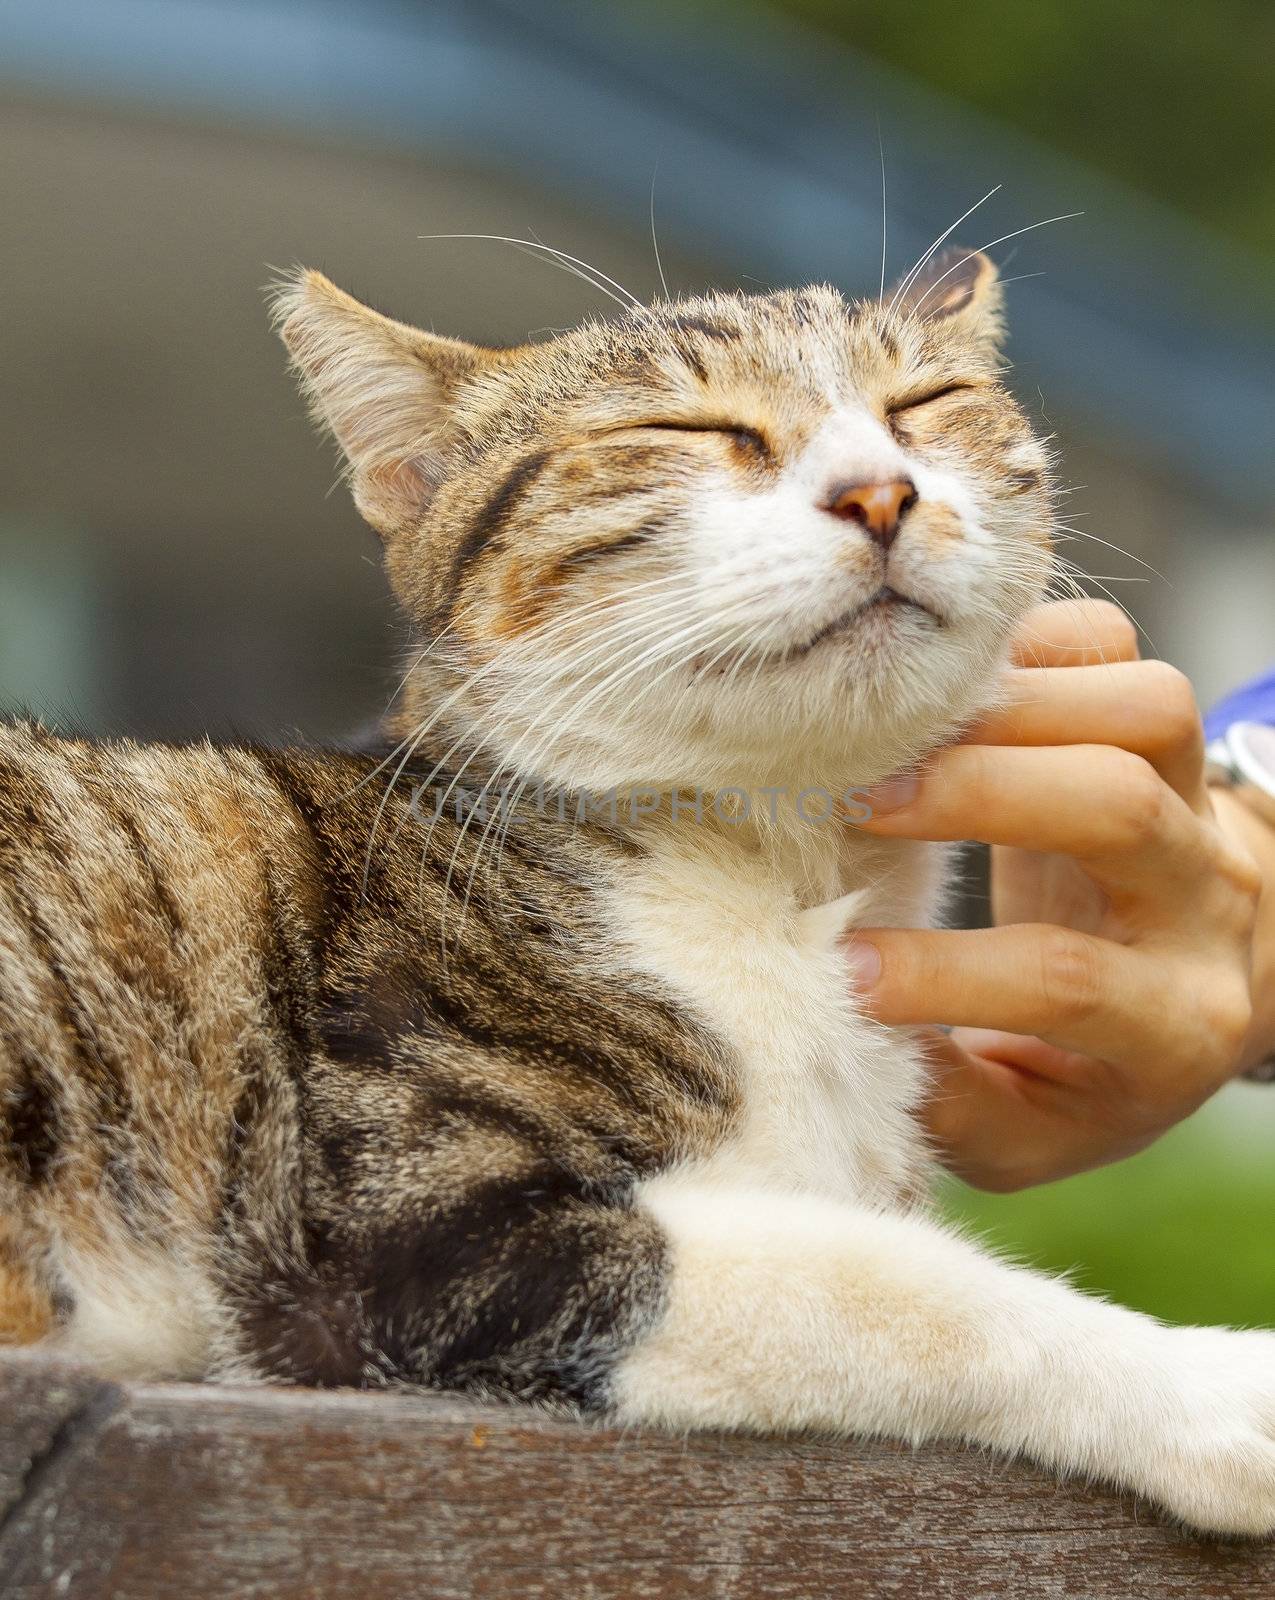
(1175, 98)
(1185, 1231)
(171, 559)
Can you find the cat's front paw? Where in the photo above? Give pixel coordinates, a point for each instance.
(1211, 1459)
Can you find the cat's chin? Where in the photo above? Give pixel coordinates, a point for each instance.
(876, 640)
(895, 666)
(867, 700)
(756, 756)
(888, 614)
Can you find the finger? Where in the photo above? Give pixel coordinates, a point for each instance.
(1071, 989)
(1027, 1054)
(1001, 1126)
(975, 1117)
(1101, 805)
(1074, 633)
(1081, 993)
(1146, 707)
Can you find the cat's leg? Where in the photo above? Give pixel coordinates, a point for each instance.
(26, 1301)
(26, 1306)
(103, 1285)
(785, 1313)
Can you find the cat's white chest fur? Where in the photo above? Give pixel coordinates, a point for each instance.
(828, 1098)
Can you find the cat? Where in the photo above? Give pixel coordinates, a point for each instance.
(321, 1066)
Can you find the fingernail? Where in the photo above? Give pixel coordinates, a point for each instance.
(892, 794)
(864, 961)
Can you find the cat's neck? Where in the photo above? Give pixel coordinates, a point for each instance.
(788, 811)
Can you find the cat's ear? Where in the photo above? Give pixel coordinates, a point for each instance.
(960, 288)
(383, 389)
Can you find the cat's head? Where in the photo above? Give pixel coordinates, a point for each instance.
(729, 540)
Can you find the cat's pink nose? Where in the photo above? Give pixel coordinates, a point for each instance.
(878, 508)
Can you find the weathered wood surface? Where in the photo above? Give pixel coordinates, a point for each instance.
(174, 1492)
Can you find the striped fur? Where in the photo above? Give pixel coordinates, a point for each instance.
(302, 1081)
(237, 1076)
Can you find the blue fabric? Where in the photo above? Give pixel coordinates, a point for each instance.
(1255, 702)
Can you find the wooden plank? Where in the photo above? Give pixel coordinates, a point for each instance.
(164, 1491)
(46, 1410)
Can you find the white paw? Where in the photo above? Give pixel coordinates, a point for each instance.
(1209, 1454)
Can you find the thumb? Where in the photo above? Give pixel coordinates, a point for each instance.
(980, 1115)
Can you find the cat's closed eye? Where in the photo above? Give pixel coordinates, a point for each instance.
(746, 438)
(930, 396)
(897, 412)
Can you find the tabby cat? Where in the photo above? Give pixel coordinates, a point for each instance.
(322, 1066)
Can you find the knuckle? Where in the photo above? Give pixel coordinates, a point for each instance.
(1121, 631)
(1177, 712)
(1226, 1010)
(985, 780)
(1235, 886)
(1113, 626)
(1071, 975)
(930, 967)
(1138, 799)
(1099, 626)
(1220, 1012)
(1243, 875)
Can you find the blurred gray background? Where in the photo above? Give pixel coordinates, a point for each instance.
(172, 558)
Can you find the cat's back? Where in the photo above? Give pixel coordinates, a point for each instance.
(134, 888)
(193, 888)
(256, 1005)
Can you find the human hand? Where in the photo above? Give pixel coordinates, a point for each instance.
(1113, 997)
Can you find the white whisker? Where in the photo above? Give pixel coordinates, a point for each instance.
(597, 277)
(1065, 216)
(906, 282)
(1079, 533)
(599, 644)
(655, 243)
(413, 740)
(622, 674)
(881, 153)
